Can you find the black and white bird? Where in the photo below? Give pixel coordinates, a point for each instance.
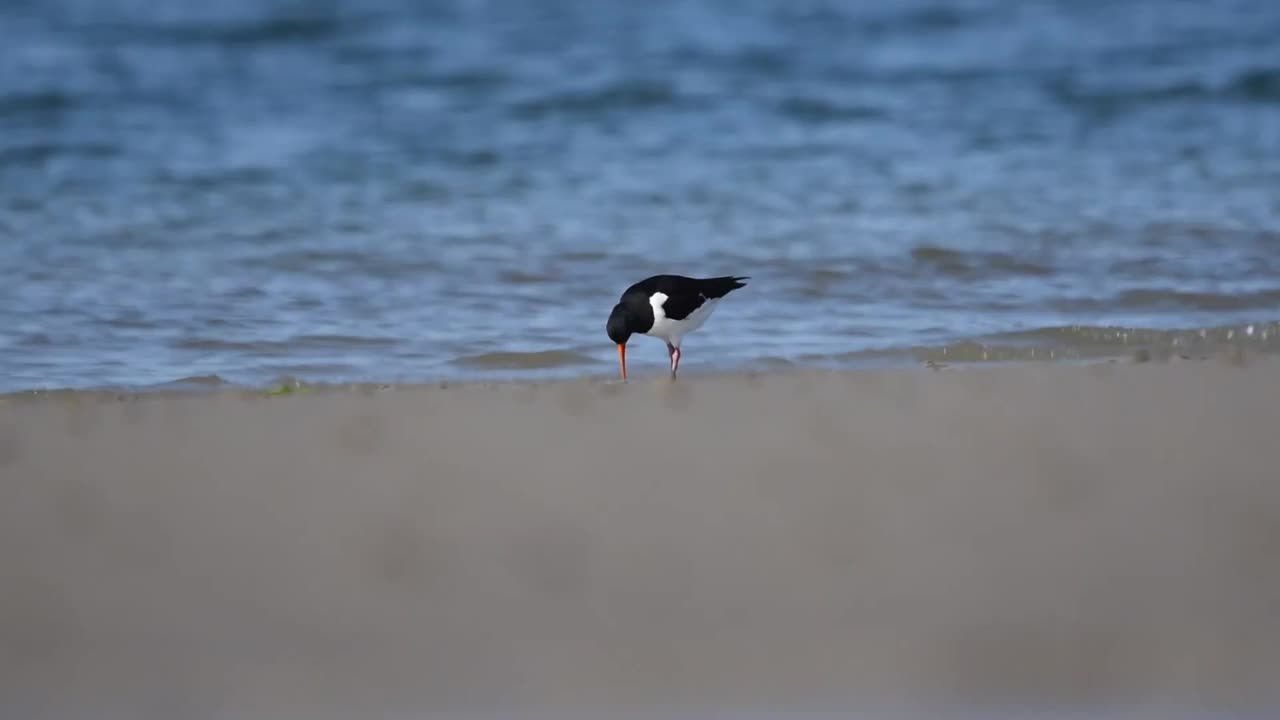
(667, 307)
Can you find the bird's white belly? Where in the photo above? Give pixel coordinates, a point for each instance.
(673, 331)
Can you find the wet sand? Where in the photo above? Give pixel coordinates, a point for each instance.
(1039, 535)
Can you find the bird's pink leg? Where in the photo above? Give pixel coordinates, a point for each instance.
(674, 353)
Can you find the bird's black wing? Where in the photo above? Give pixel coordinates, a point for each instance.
(684, 295)
(716, 288)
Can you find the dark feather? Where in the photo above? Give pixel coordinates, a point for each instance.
(684, 294)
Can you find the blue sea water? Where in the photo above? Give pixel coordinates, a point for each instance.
(400, 191)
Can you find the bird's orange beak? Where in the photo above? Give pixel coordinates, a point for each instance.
(622, 359)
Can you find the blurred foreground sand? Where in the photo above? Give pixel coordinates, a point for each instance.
(1033, 534)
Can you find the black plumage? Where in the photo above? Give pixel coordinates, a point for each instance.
(684, 295)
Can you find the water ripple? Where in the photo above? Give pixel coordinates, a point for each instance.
(458, 189)
(538, 360)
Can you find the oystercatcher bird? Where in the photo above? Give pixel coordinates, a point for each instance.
(667, 307)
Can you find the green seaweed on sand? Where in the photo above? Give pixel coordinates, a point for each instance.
(286, 389)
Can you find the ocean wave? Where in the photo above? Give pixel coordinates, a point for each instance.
(39, 102)
(43, 152)
(1169, 299)
(194, 381)
(818, 110)
(970, 263)
(1084, 342)
(1253, 85)
(539, 360)
(1260, 334)
(341, 262)
(252, 32)
(620, 95)
(283, 347)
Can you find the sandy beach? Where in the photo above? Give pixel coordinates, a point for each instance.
(1044, 535)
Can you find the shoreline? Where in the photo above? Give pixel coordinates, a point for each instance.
(212, 385)
(1068, 344)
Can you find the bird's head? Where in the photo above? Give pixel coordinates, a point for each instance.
(619, 328)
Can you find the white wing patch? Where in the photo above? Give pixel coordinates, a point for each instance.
(673, 331)
(658, 300)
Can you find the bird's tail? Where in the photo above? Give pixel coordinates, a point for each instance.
(720, 286)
